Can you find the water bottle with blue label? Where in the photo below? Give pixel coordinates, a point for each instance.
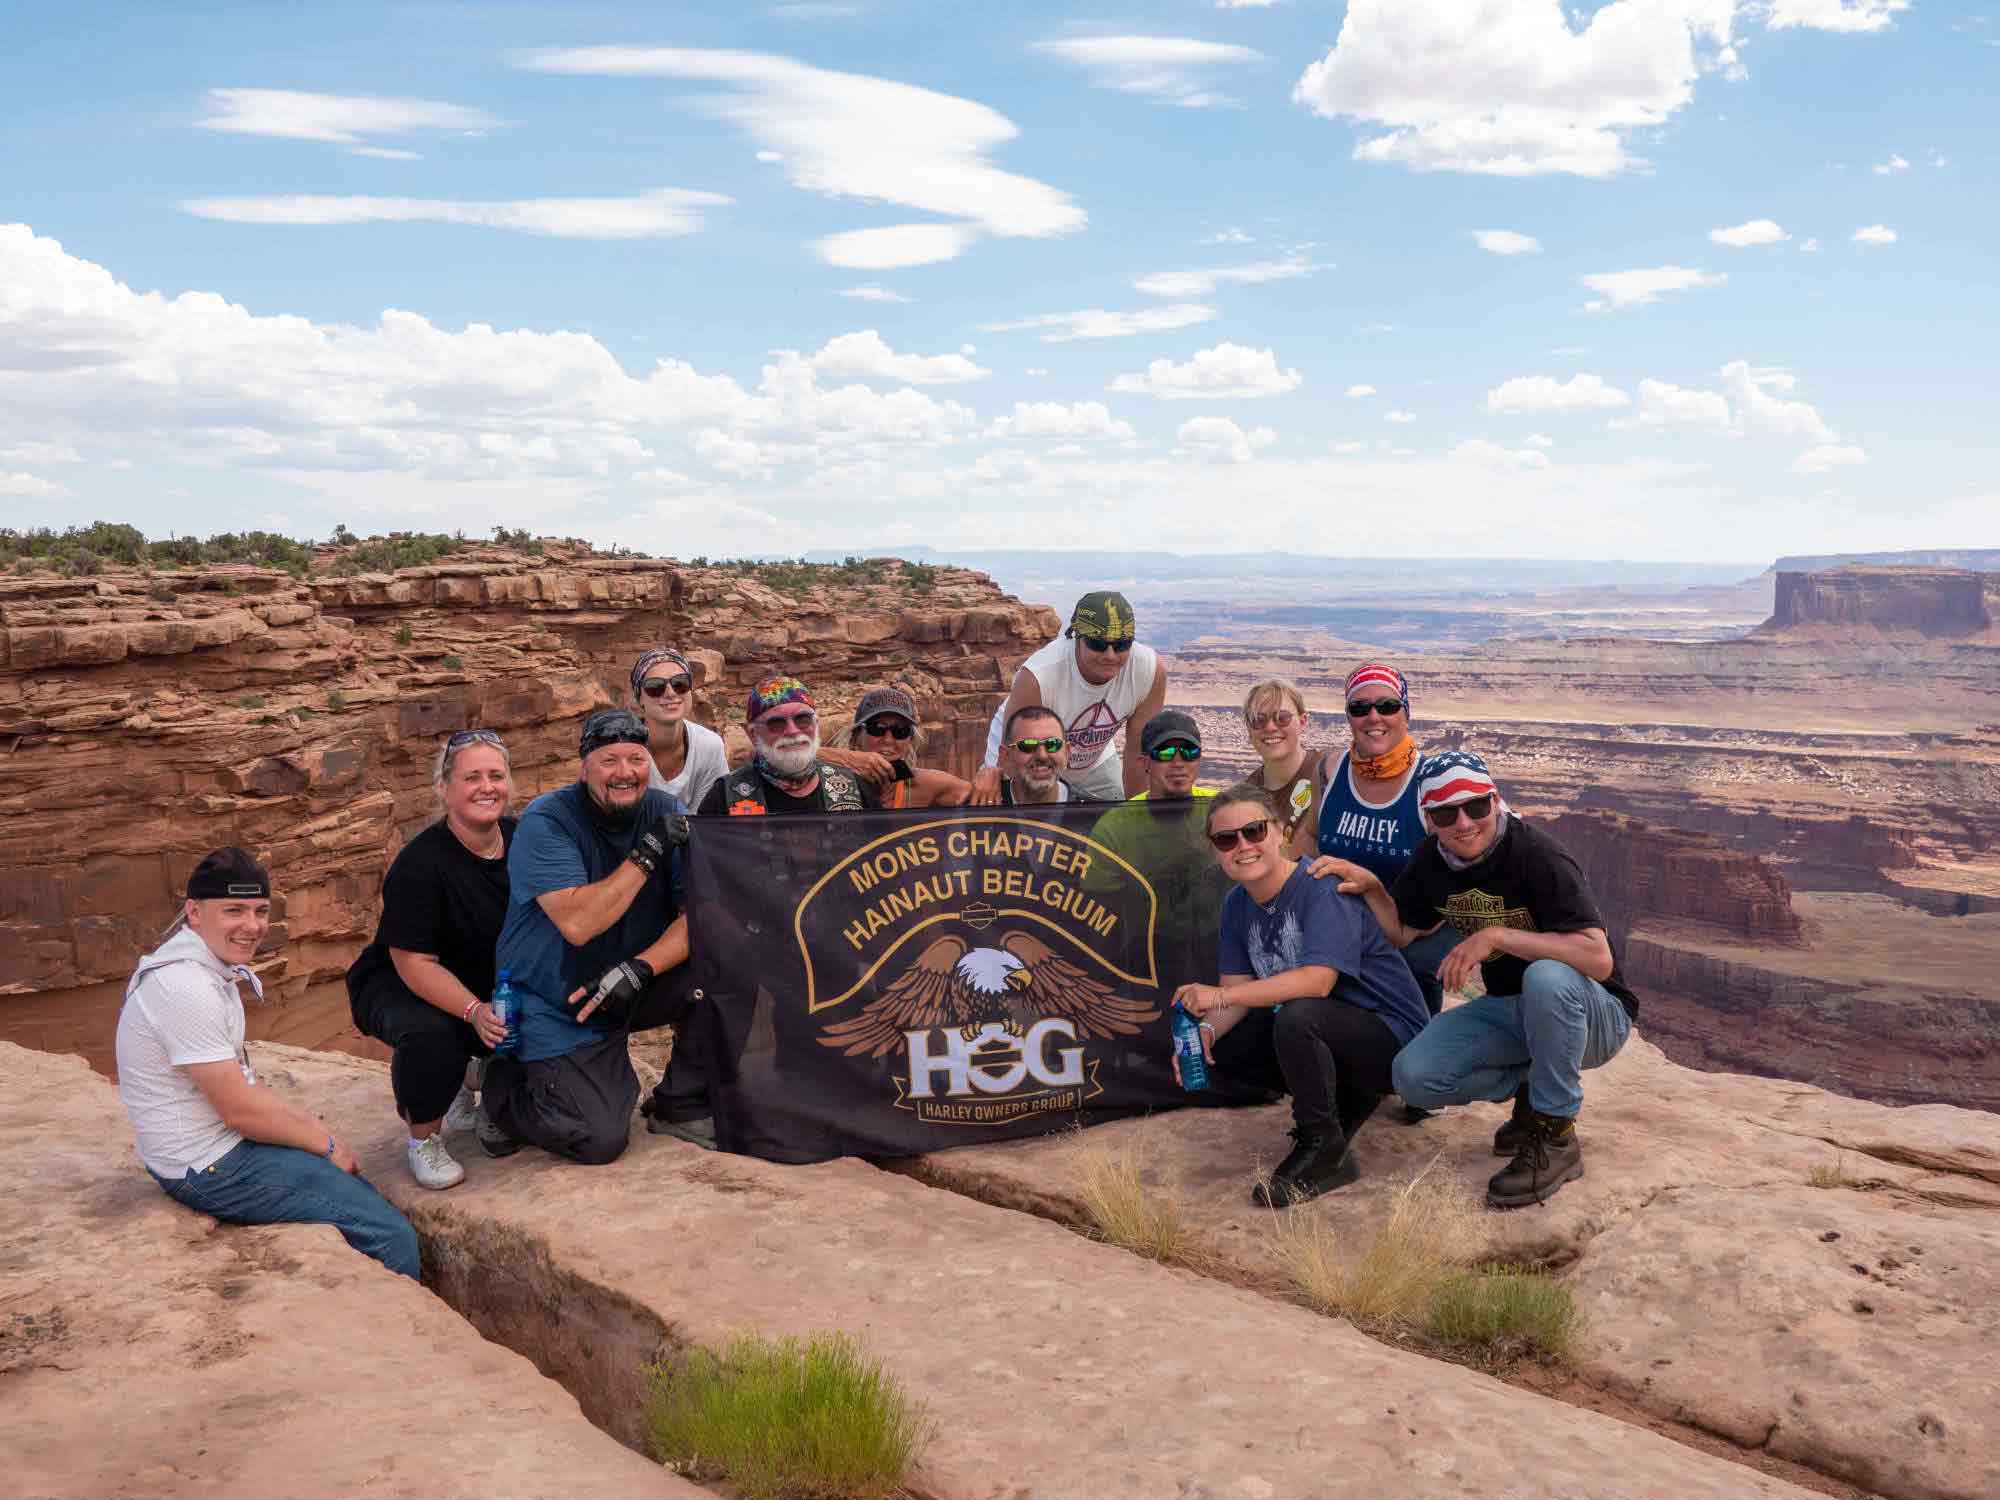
(1187, 1047)
(507, 1006)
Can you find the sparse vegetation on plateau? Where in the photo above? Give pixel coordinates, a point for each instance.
(1145, 1220)
(786, 1420)
(336, 700)
(1503, 1309)
(1433, 1229)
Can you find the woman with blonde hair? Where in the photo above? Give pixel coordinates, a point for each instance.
(885, 724)
(424, 985)
(1274, 716)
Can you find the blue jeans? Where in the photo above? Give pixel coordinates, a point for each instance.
(255, 1183)
(1560, 1024)
(1422, 958)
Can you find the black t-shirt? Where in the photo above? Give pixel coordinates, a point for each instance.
(1528, 881)
(439, 897)
(716, 800)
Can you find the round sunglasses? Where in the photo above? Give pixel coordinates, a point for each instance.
(1252, 832)
(1282, 717)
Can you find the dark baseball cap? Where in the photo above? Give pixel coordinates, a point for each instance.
(885, 700)
(1169, 727)
(1106, 614)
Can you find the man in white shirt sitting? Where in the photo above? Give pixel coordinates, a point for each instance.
(214, 1137)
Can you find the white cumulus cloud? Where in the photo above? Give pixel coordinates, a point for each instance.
(1895, 163)
(1514, 87)
(1761, 413)
(1400, 417)
(1620, 289)
(865, 356)
(1220, 440)
(1530, 393)
(1664, 405)
(658, 213)
(1506, 242)
(1165, 67)
(1875, 234)
(1226, 370)
(29, 486)
(1834, 15)
(1204, 283)
(1827, 457)
(850, 135)
(336, 119)
(1356, 392)
(1754, 232)
(1493, 456)
(1539, 440)
(1098, 323)
(1082, 419)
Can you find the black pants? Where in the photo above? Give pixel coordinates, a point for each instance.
(431, 1048)
(1333, 1058)
(579, 1105)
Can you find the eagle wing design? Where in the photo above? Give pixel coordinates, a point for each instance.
(1058, 987)
(928, 993)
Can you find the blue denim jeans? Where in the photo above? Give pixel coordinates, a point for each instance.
(255, 1183)
(1560, 1024)
(1422, 958)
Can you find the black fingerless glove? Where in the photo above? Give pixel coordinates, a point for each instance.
(668, 831)
(617, 992)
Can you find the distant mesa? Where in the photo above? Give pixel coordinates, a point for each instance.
(1952, 602)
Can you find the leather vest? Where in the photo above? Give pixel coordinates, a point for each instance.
(839, 791)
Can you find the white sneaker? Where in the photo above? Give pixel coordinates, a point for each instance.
(463, 1114)
(432, 1165)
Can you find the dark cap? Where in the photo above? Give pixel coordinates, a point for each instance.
(1169, 727)
(611, 726)
(885, 700)
(1106, 614)
(229, 874)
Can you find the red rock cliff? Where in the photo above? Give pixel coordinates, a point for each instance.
(1643, 874)
(1922, 601)
(146, 719)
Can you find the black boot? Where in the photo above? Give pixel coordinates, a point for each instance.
(1549, 1156)
(1320, 1161)
(1507, 1139)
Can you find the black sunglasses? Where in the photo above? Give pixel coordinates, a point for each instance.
(1388, 708)
(1028, 747)
(887, 726)
(1167, 753)
(1099, 643)
(656, 687)
(1250, 833)
(1474, 808)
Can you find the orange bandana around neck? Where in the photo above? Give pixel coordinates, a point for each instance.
(1388, 765)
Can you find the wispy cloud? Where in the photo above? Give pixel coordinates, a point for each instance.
(1755, 232)
(1621, 289)
(850, 135)
(1896, 163)
(1875, 234)
(1506, 242)
(1834, 15)
(1097, 323)
(658, 213)
(1164, 67)
(873, 294)
(1204, 283)
(347, 120)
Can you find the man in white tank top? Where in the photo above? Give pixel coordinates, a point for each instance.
(1097, 680)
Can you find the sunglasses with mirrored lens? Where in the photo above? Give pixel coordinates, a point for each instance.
(466, 737)
(1051, 745)
(1474, 808)
(1099, 643)
(886, 728)
(1167, 753)
(1282, 717)
(656, 687)
(1388, 708)
(1225, 839)
(803, 721)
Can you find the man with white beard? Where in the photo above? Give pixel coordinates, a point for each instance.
(786, 775)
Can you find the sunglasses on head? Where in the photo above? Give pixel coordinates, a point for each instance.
(1100, 643)
(656, 687)
(887, 727)
(1282, 717)
(1388, 708)
(1474, 808)
(1225, 839)
(466, 737)
(1052, 744)
(802, 720)
(1167, 753)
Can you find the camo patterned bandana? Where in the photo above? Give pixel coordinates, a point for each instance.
(1106, 614)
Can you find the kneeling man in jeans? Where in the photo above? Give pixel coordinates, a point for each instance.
(1554, 1004)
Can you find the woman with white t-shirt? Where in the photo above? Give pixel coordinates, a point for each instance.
(688, 758)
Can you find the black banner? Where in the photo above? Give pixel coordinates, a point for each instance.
(891, 983)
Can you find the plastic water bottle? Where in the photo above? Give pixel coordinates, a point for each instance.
(1187, 1047)
(507, 1006)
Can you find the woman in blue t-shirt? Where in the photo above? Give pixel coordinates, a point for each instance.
(1313, 1000)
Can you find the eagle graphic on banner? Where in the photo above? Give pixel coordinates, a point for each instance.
(953, 983)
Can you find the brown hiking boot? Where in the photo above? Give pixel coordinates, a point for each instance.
(1549, 1156)
(1507, 1139)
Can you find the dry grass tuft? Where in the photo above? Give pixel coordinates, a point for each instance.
(1433, 1228)
(1126, 1212)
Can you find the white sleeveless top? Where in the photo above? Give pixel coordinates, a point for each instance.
(1092, 714)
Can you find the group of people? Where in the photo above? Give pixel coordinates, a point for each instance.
(1362, 882)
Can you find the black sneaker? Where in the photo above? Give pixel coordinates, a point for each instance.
(492, 1139)
(1507, 1139)
(1550, 1156)
(699, 1132)
(1320, 1161)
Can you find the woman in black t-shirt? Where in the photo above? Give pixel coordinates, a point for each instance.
(423, 985)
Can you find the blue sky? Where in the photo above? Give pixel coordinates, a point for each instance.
(1654, 279)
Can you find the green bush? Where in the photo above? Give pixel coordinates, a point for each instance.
(787, 1420)
(250, 700)
(336, 700)
(1496, 1307)
(404, 635)
(454, 663)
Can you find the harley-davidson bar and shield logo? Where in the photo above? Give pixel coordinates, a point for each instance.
(987, 958)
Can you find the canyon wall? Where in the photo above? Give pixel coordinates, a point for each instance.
(1918, 600)
(146, 718)
(1641, 874)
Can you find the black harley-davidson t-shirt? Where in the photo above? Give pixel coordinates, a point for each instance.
(439, 897)
(1528, 881)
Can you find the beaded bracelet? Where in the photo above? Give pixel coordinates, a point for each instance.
(467, 1016)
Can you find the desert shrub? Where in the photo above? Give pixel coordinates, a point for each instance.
(404, 549)
(1432, 1229)
(250, 700)
(1125, 1211)
(786, 1419)
(922, 578)
(520, 539)
(404, 635)
(1500, 1308)
(336, 700)
(454, 663)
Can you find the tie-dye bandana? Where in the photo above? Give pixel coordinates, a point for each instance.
(774, 692)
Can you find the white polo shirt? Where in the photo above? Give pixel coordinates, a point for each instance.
(181, 1008)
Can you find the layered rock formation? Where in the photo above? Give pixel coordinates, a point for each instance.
(1917, 600)
(1644, 874)
(148, 718)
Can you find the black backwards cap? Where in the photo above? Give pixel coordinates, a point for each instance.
(228, 874)
(611, 726)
